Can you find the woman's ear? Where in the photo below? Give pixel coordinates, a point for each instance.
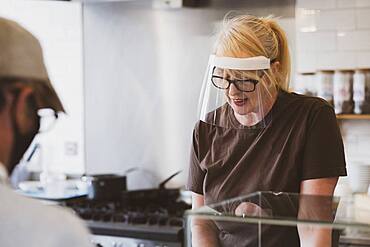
(23, 111)
(275, 67)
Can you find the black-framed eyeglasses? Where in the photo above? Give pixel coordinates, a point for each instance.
(245, 85)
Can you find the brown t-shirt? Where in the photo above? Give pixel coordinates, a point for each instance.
(300, 140)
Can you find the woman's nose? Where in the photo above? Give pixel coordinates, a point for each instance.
(233, 90)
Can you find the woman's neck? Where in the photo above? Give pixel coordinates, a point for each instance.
(263, 109)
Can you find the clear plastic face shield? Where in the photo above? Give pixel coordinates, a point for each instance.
(233, 94)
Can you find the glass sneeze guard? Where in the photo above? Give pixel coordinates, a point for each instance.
(277, 219)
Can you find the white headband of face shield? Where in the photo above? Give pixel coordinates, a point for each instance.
(249, 63)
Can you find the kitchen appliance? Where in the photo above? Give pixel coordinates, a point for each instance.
(105, 186)
(137, 218)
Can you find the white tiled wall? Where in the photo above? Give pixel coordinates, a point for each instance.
(363, 17)
(362, 3)
(338, 19)
(314, 4)
(356, 135)
(346, 3)
(358, 40)
(335, 34)
(316, 41)
(335, 59)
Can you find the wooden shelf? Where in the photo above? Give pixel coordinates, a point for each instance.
(354, 116)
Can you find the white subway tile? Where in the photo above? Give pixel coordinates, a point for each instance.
(316, 41)
(363, 18)
(355, 127)
(326, 61)
(362, 39)
(363, 60)
(363, 152)
(364, 139)
(351, 151)
(338, 19)
(306, 62)
(350, 140)
(346, 3)
(316, 4)
(356, 138)
(336, 60)
(306, 20)
(354, 40)
(362, 3)
(357, 157)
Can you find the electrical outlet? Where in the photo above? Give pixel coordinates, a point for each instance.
(167, 4)
(71, 148)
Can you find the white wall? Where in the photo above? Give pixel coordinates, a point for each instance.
(356, 134)
(143, 78)
(332, 34)
(58, 26)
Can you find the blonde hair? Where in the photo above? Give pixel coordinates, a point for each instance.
(249, 36)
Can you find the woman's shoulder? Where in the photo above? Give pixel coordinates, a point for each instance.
(302, 107)
(305, 101)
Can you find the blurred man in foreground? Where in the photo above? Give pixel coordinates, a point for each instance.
(24, 90)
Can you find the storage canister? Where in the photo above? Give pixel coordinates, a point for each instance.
(359, 86)
(325, 85)
(343, 91)
(366, 105)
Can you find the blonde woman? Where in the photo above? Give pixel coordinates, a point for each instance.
(255, 135)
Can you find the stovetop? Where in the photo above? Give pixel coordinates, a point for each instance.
(146, 214)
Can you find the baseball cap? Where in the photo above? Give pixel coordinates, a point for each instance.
(21, 59)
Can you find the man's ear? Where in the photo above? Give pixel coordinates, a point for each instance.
(23, 114)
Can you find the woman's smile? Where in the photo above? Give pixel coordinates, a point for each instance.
(240, 102)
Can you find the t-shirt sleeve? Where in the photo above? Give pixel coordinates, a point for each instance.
(195, 174)
(323, 154)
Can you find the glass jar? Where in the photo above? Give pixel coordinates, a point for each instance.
(325, 85)
(343, 91)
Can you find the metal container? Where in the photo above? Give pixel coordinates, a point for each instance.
(105, 186)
